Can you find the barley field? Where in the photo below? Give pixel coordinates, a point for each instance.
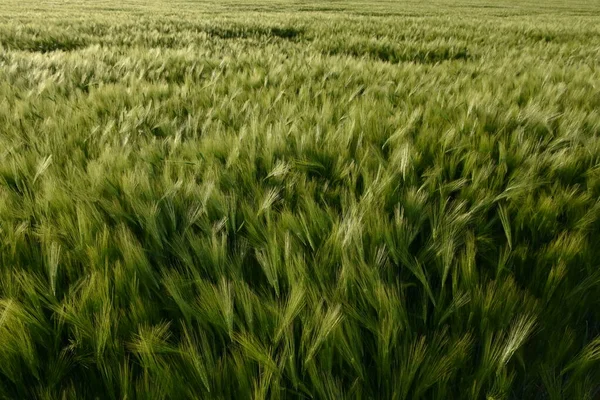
(277, 199)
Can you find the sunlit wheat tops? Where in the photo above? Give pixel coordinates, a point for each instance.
(300, 200)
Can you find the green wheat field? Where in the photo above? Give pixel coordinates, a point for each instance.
(277, 199)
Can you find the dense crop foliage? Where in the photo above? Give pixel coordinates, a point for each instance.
(281, 200)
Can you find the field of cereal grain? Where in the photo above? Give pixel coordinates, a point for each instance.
(278, 199)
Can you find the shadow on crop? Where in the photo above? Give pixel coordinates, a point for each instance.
(44, 44)
(242, 32)
(400, 54)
